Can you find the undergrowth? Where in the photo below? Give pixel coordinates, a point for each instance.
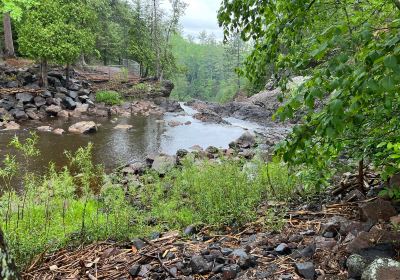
(109, 97)
(80, 204)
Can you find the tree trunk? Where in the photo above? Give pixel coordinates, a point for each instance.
(7, 267)
(43, 73)
(8, 38)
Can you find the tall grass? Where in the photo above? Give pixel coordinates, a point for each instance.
(79, 203)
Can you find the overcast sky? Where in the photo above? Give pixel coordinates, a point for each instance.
(201, 15)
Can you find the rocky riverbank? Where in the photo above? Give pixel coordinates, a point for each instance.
(22, 99)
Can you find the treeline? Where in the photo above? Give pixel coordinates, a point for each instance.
(77, 31)
(207, 68)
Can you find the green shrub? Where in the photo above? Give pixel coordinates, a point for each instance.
(109, 97)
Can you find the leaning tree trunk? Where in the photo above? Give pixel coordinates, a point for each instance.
(8, 38)
(8, 270)
(43, 73)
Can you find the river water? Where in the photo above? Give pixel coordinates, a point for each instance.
(113, 147)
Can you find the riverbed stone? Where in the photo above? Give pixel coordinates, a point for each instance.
(83, 127)
(53, 110)
(58, 131)
(11, 126)
(69, 103)
(124, 127)
(45, 128)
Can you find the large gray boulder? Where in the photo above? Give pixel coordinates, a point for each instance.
(382, 269)
(84, 127)
(8, 269)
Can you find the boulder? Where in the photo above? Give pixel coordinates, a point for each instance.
(246, 141)
(209, 116)
(7, 104)
(163, 164)
(39, 101)
(84, 127)
(58, 131)
(19, 114)
(69, 103)
(63, 114)
(73, 94)
(382, 269)
(12, 126)
(32, 114)
(356, 265)
(376, 210)
(24, 97)
(53, 110)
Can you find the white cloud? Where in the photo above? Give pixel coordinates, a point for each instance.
(200, 15)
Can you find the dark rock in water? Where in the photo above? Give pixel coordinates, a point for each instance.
(230, 272)
(206, 115)
(39, 101)
(356, 265)
(69, 103)
(376, 210)
(305, 270)
(282, 249)
(138, 243)
(134, 270)
(24, 97)
(382, 269)
(199, 265)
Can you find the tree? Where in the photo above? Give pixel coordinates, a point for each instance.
(350, 51)
(12, 8)
(58, 31)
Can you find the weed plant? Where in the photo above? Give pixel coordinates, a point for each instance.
(79, 204)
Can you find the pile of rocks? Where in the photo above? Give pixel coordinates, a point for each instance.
(22, 103)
